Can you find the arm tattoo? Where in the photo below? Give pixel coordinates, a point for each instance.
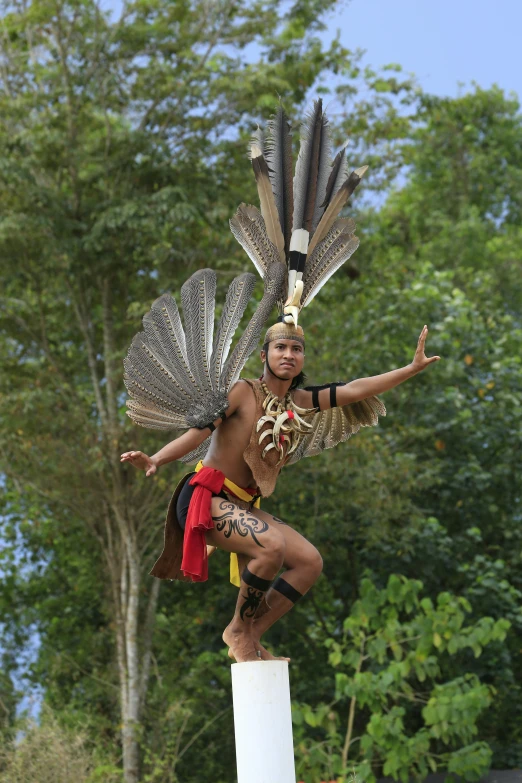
(233, 520)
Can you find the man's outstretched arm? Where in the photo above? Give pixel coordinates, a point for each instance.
(377, 384)
(186, 443)
(362, 388)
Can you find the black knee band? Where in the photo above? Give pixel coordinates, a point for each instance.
(255, 581)
(287, 590)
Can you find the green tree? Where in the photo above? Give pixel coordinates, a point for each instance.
(435, 490)
(123, 159)
(392, 673)
(51, 754)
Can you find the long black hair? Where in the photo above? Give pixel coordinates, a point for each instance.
(299, 380)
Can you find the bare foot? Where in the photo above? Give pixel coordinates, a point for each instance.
(261, 652)
(267, 656)
(240, 643)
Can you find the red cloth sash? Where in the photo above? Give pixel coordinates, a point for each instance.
(208, 482)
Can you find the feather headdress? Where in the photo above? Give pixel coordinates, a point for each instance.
(299, 221)
(179, 376)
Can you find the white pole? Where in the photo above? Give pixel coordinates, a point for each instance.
(263, 722)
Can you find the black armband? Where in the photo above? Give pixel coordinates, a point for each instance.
(211, 426)
(333, 393)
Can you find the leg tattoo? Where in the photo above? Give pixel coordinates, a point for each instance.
(256, 588)
(252, 601)
(240, 522)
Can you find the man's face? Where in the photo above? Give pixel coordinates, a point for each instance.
(285, 357)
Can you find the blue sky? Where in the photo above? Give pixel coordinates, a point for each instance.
(443, 42)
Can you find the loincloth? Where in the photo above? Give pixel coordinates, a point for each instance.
(184, 555)
(184, 498)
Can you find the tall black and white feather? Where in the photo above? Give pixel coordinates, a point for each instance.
(278, 154)
(258, 139)
(315, 240)
(312, 170)
(338, 175)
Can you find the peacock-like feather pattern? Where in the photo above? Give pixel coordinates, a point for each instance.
(341, 226)
(198, 295)
(323, 268)
(248, 227)
(336, 425)
(178, 377)
(238, 296)
(274, 282)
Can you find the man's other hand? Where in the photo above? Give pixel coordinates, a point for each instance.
(140, 461)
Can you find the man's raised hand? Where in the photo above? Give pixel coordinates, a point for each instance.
(140, 461)
(420, 360)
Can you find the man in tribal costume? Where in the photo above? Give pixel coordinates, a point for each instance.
(242, 432)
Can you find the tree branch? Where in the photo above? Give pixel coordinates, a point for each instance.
(83, 323)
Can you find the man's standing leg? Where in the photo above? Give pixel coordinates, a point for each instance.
(303, 564)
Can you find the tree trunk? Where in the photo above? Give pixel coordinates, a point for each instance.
(131, 716)
(351, 715)
(133, 658)
(123, 549)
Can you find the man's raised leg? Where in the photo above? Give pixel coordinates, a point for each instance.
(239, 530)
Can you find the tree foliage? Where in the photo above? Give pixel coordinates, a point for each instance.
(124, 157)
(393, 673)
